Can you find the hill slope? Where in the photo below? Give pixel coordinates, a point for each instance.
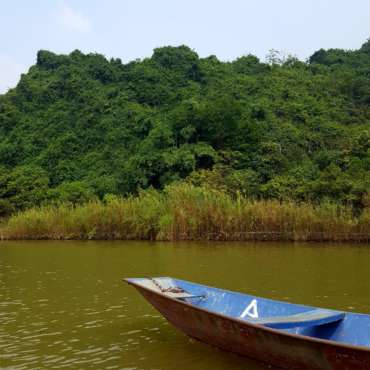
(81, 126)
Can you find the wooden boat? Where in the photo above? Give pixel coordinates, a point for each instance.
(285, 335)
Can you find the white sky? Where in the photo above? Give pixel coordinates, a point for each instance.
(130, 29)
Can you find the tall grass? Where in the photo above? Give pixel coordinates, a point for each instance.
(186, 212)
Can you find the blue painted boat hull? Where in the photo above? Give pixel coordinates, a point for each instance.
(232, 321)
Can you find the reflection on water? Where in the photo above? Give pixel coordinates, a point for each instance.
(63, 304)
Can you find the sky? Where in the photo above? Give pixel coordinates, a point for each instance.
(131, 29)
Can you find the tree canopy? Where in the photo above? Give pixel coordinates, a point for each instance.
(79, 126)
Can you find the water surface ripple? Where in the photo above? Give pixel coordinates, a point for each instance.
(63, 304)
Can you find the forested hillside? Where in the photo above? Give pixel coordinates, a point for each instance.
(79, 127)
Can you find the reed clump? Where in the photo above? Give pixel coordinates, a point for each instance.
(186, 212)
(116, 218)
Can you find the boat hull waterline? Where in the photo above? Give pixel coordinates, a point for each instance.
(276, 347)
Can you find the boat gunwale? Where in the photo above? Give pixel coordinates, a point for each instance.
(247, 323)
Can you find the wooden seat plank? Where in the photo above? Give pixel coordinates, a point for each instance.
(309, 318)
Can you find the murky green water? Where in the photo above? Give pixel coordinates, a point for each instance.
(63, 305)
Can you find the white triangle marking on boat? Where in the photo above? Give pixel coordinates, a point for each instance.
(251, 310)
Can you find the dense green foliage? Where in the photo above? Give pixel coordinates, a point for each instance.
(78, 127)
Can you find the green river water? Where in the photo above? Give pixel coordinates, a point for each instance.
(63, 305)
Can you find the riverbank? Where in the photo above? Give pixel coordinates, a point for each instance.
(186, 212)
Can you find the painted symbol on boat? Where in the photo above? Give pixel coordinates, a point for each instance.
(251, 310)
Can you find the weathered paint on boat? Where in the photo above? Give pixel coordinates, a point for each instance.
(230, 320)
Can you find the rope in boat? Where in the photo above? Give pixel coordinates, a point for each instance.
(166, 290)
